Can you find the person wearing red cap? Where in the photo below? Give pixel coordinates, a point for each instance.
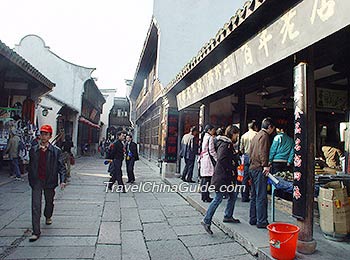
(46, 168)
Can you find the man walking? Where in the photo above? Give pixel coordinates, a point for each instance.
(131, 156)
(189, 149)
(244, 148)
(258, 170)
(117, 154)
(46, 168)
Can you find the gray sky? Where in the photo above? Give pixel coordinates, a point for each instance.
(105, 34)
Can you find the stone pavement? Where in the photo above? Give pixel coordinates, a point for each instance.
(89, 223)
(256, 241)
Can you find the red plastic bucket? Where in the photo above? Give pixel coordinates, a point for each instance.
(283, 240)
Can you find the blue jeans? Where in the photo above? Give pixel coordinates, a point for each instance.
(215, 204)
(258, 202)
(15, 167)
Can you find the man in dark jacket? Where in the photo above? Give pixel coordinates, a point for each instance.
(45, 167)
(117, 155)
(224, 178)
(131, 156)
(258, 170)
(189, 150)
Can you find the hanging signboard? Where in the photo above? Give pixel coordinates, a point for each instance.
(331, 98)
(300, 139)
(171, 137)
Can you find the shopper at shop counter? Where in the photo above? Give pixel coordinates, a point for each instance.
(258, 170)
(245, 150)
(281, 152)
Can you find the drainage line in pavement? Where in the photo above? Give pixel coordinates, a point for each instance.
(10, 249)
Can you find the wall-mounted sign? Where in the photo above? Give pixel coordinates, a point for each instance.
(300, 139)
(171, 137)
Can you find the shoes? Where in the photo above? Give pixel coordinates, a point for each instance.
(33, 238)
(208, 200)
(206, 227)
(252, 223)
(19, 179)
(262, 225)
(231, 220)
(48, 221)
(191, 181)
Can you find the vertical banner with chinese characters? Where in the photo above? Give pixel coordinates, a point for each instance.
(300, 139)
(171, 137)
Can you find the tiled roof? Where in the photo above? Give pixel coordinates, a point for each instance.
(240, 16)
(18, 60)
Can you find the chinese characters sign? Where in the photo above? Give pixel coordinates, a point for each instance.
(332, 99)
(300, 142)
(296, 29)
(171, 137)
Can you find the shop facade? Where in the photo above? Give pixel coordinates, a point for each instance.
(89, 120)
(21, 86)
(283, 59)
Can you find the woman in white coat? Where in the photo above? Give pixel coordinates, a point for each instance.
(208, 158)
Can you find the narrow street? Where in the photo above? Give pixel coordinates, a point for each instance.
(89, 223)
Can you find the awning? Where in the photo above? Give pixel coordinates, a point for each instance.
(88, 122)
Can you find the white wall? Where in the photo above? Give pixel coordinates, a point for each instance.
(185, 26)
(68, 77)
(109, 95)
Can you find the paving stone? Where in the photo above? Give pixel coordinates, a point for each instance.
(158, 231)
(75, 232)
(61, 241)
(152, 215)
(127, 202)
(61, 224)
(112, 197)
(217, 251)
(108, 252)
(205, 239)
(169, 250)
(130, 219)
(52, 253)
(12, 232)
(6, 241)
(170, 201)
(111, 212)
(184, 221)
(109, 233)
(181, 212)
(134, 246)
(190, 230)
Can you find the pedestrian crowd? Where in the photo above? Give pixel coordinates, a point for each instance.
(221, 153)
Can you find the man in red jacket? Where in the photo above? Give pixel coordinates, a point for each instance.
(46, 169)
(258, 170)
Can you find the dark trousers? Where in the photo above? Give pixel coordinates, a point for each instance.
(245, 192)
(279, 167)
(49, 195)
(205, 182)
(258, 202)
(188, 170)
(117, 174)
(130, 169)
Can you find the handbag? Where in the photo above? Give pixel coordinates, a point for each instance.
(72, 159)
